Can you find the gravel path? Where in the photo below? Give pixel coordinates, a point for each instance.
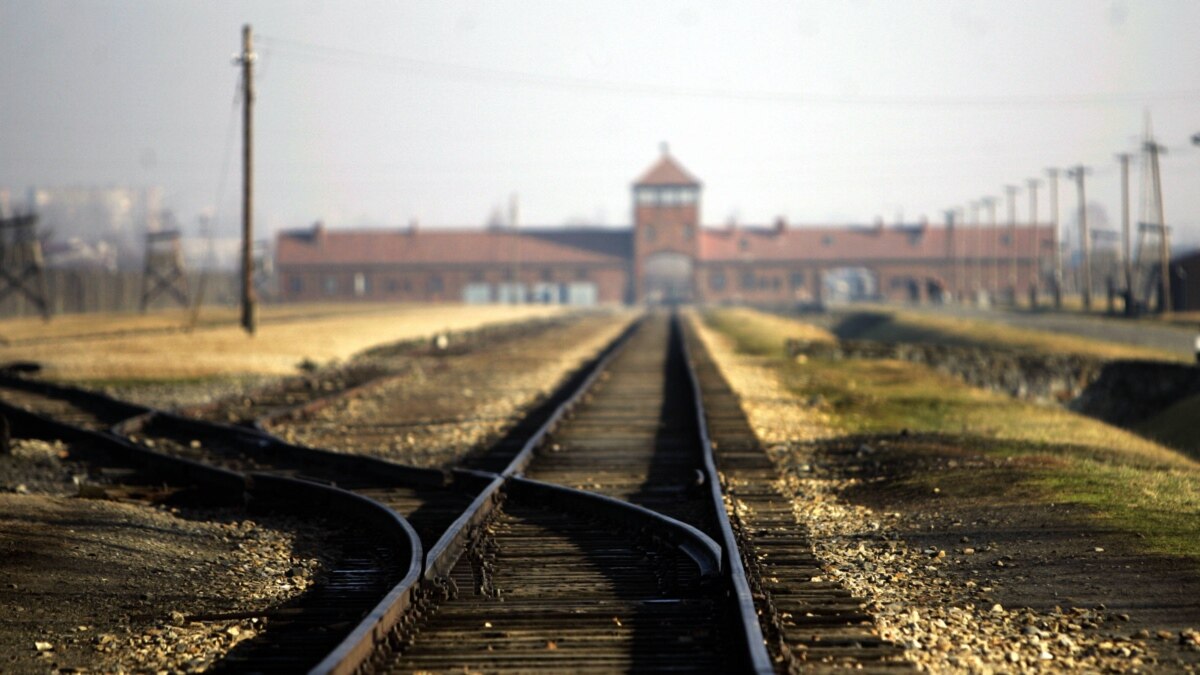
(946, 624)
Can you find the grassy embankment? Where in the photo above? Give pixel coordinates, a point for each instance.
(1073, 304)
(1128, 483)
(123, 348)
(909, 326)
(1174, 427)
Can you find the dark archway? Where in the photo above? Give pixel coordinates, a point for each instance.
(667, 278)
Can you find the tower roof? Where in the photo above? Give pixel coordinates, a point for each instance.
(667, 172)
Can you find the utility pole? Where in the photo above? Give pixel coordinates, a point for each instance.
(1033, 184)
(1052, 182)
(518, 288)
(246, 60)
(1126, 256)
(989, 203)
(1011, 192)
(952, 247)
(978, 248)
(1085, 239)
(1164, 247)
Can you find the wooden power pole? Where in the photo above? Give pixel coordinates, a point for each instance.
(1126, 256)
(1036, 282)
(989, 203)
(1153, 149)
(1052, 184)
(1085, 239)
(1011, 192)
(246, 60)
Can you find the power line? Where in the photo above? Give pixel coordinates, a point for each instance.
(375, 60)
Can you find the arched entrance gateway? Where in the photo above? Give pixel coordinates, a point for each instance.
(667, 278)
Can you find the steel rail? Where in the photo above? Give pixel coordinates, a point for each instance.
(699, 547)
(374, 627)
(756, 648)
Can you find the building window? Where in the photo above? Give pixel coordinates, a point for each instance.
(797, 279)
(1005, 239)
(716, 281)
(331, 285)
(581, 273)
(647, 196)
(651, 234)
(477, 276)
(390, 285)
(748, 281)
(827, 240)
(297, 284)
(407, 286)
(434, 284)
(547, 274)
(687, 196)
(362, 285)
(743, 244)
(687, 232)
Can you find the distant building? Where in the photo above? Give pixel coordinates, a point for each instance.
(667, 256)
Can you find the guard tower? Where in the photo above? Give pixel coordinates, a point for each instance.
(22, 268)
(666, 217)
(164, 271)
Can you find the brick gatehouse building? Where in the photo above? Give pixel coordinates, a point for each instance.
(666, 256)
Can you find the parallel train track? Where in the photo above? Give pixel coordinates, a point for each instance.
(592, 537)
(377, 550)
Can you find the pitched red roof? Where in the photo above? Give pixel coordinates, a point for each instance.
(861, 243)
(667, 172)
(408, 247)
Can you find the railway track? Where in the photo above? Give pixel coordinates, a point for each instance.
(378, 550)
(566, 588)
(593, 536)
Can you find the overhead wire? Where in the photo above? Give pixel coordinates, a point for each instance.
(376, 60)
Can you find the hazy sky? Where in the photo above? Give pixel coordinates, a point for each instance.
(375, 113)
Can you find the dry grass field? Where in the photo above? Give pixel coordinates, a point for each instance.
(156, 346)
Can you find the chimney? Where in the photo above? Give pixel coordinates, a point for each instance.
(413, 226)
(318, 233)
(878, 225)
(780, 225)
